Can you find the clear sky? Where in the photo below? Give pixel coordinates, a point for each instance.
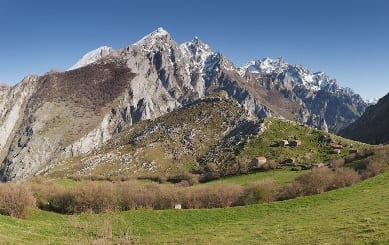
(347, 39)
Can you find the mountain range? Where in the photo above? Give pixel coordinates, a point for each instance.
(47, 119)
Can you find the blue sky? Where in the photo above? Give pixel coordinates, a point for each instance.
(349, 40)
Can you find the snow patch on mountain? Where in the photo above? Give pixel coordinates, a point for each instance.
(92, 57)
(148, 42)
(199, 51)
(265, 66)
(298, 74)
(372, 101)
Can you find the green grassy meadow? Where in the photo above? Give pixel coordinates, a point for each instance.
(280, 176)
(310, 151)
(352, 215)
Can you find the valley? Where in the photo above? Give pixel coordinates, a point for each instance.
(159, 142)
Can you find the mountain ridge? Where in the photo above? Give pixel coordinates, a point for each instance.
(372, 126)
(143, 81)
(296, 81)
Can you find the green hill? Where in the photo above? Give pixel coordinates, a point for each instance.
(171, 144)
(211, 137)
(316, 145)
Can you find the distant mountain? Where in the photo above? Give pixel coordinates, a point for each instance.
(44, 120)
(330, 107)
(372, 101)
(373, 126)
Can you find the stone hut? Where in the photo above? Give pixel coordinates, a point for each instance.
(289, 162)
(258, 162)
(337, 147)
(283, 143)
(295, 143)
(353, 150)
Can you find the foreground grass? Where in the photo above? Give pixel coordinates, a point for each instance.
(354, 215)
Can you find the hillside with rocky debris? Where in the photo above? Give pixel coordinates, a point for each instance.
(177, 142)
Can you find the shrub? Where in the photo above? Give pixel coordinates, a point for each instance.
(243, 165)
(290, 191)
(217, 196)
(211, 172)
(373, 168)
(344, 177)
(270, 164)
(95, 197)
(319, 180)
(44, 191)
(338, 163)
(259, 192)
(351, 157)
(316, 181)
(191, 179)
(15, 200)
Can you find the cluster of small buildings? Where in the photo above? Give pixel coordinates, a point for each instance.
(292, 143)
(336, 149)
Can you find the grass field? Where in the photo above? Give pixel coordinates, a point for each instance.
(281, 177)
(353, 215)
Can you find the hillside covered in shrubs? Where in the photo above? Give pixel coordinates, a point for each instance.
(101, 196)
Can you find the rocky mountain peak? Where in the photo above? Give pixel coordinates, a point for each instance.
(197, 50)
(372, 101)
(159, 37)
(266, 66)
(92, 57)
(197, 46)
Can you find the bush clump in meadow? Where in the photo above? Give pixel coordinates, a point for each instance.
(15, 200)
(103, 196)
(260, 192)
(319, 180)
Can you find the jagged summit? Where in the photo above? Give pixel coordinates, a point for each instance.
(203, 58)
(149, 41)
(298, 73)
(372, 101)
(196, 49)
(159, 33)
(92, 57)
(265, 65)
